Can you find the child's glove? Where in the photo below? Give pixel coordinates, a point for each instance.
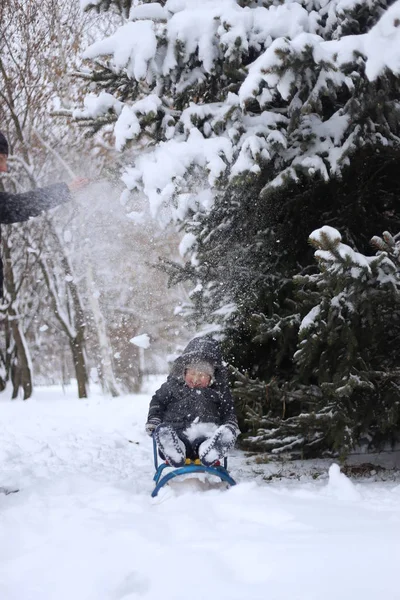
(151, 425)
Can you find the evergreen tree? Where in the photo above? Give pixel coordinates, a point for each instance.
(251, 124)
(345, 384)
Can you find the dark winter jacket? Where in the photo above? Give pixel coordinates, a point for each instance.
(16, 208)
(178, 405)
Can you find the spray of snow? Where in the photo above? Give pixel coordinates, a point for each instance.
(142, 341)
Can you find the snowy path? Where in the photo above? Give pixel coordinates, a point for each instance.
(84, 527)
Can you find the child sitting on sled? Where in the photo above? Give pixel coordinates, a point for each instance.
(192, 415)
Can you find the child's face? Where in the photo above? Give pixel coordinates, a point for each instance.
(197, 379)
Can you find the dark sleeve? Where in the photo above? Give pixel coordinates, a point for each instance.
(227, 409)
(158, 404)
(15, 208)
(227, 405)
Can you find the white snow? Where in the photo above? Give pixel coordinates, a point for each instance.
(171, 160)
(132, 47)
(198, 429)
(166, 48)
(384, 37)
(326, 231)
(153, 10)
(310, 318)
(187, 242)
(97, 106)
(84, 526)
(127, 126)
(142, 341)
(380, 46)
(340, 486)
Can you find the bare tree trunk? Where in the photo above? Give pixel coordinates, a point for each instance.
(78, 357)
(71, 317)
(5, 354)
(106, 372)
(21, 366)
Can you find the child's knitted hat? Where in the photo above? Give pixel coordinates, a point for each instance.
(201, 366)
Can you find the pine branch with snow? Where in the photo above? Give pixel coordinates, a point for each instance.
(344, 387)
(238, 90)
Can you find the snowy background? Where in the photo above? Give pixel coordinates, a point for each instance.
(186, 97)
(84, 526)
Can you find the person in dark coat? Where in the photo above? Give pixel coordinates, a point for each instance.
(192, 415)
(16, 208)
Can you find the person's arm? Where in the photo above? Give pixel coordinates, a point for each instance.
(227, 411)
(15, 208)
(227, 405)
(157, 407)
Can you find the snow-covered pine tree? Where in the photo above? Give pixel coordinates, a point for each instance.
(251, 124)
(345, 385)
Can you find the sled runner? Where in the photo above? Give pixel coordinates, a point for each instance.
(191, 466)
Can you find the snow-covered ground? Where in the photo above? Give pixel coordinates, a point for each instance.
(84, 527)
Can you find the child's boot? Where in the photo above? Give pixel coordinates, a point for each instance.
(218, 445)
(170, 446)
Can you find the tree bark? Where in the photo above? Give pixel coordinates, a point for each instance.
(70, 317)
(21, 365)
(106, 372)
(78, 357)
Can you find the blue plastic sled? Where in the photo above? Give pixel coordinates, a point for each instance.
(191, 466)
